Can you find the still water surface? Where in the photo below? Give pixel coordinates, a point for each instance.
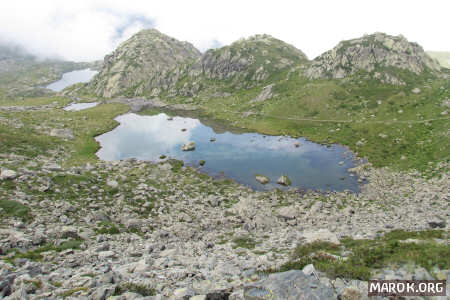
(238, 155)
(70, 78)
(80, 106)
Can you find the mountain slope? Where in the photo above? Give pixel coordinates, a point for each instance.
(153, 64)
(142, 64)
(22, 74)
(383, 56)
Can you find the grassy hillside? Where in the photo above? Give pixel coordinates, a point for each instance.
(385, 123)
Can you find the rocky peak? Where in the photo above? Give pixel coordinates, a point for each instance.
(142, 63)
(252, 59)
(375, 54)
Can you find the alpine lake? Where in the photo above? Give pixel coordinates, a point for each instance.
(226, 152)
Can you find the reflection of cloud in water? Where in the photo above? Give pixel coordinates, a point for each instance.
(144, 136)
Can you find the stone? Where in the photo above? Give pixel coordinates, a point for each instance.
(112, 183)
(297, 144)
(291, 285)
(106, 254)
(284, 180)
(320, 235)
(265, 94)
(309, 270)
(52, 166)
(6, 174)
(64, 133)
(416, 91)
(262, 179)
(183, 293)
(103, 292)
(287, 212)
(212, 139)
(437, 222)
(190, 146)
(198, 297)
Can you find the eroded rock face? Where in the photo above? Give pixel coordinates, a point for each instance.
(147, 61)
(150, 63)
(376, 54)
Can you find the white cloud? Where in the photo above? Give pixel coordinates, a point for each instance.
(89, 29)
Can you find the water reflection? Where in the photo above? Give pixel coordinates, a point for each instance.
(238, 156)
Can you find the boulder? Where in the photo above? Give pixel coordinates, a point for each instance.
(190, 146)
(290, 285)
(112, 183)
(262, 179)
(437, 223)
(6, 174)
(284, 180)
(320, 235)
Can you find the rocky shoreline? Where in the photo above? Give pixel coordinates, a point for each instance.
(184, 235)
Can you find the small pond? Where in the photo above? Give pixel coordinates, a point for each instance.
(80, 106)
(70, 78)
(238, 156)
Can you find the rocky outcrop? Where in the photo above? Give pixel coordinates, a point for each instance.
(147, 62)
(378, 54)
(247, 61)
(151, 63)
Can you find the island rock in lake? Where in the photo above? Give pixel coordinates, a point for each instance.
(284, 180)
(262, 179)
(188, 146)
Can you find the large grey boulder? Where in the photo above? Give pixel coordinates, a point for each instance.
(290, 285)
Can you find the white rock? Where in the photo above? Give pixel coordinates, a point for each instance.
(320, 235)
(190, 146)
(106, 254)
(112, 183)
(309, 270)
(7, 174)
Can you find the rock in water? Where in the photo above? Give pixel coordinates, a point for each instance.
(291, 285)
(297, 144)
(190, 146)
(262, 179)
(284, 180)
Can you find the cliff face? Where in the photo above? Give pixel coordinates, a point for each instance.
(143, 63)
(376, 54)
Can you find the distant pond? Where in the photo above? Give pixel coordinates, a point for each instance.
(238, 156)
(80, 106)
(70, 78)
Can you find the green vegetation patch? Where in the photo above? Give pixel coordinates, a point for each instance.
(140, 289)
(36, 254)
(244, 242)
(365, 256)
(11, 208)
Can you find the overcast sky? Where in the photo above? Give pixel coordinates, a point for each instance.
(83, 30)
